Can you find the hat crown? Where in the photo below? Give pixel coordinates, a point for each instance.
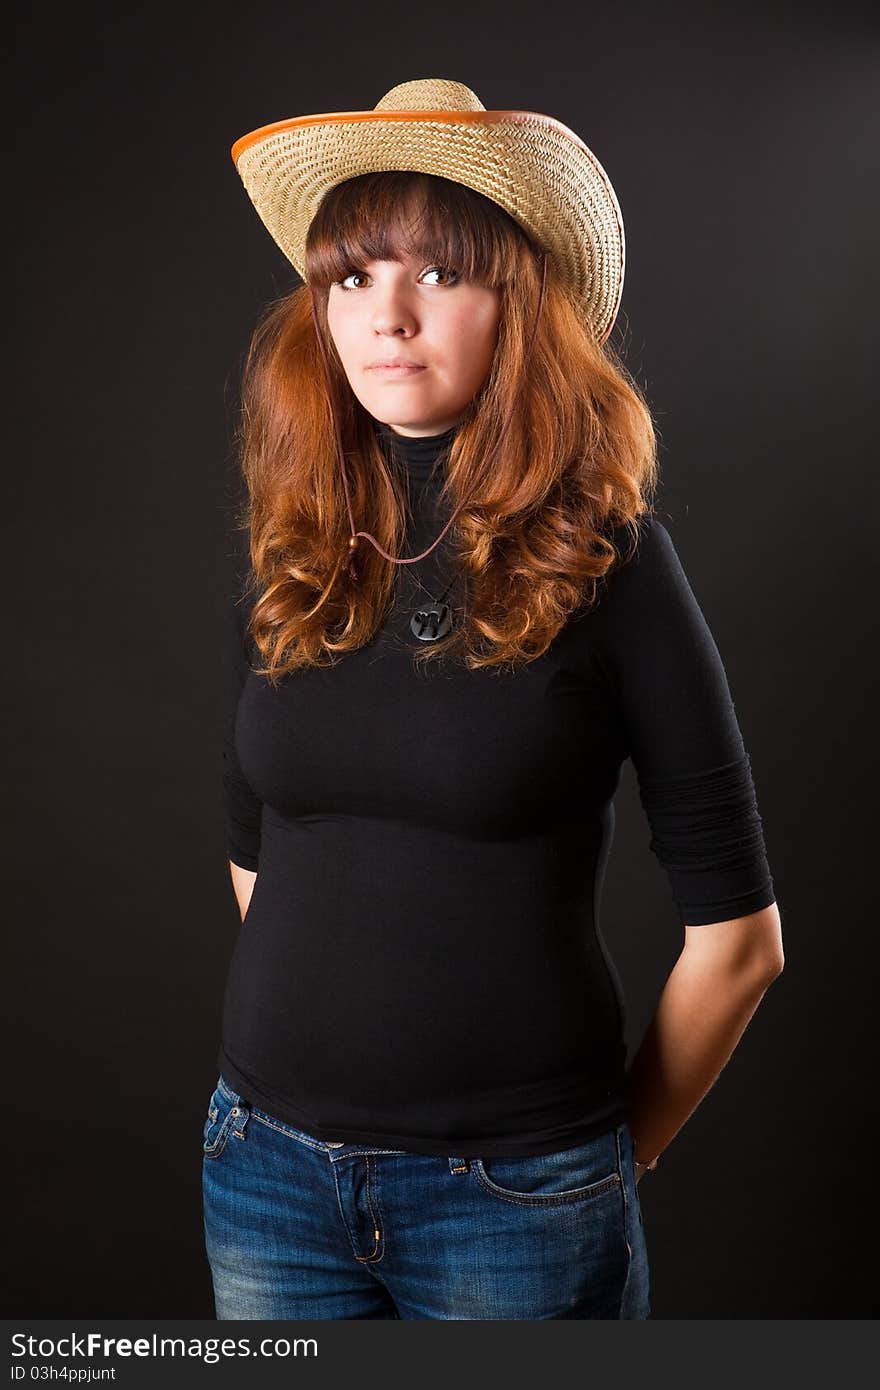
(430, 94)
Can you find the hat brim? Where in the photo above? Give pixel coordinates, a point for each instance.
(535, 168)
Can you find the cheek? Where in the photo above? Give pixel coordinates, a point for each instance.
(336, 329)
(483, 318)
(343, 330)
(476, 337)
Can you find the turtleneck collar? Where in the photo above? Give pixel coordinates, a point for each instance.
(418, 454)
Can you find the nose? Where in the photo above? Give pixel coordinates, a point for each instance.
(392, 312)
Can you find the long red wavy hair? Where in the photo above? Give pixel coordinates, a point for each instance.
(580, 454)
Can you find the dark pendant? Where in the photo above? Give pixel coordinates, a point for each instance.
(431, 623)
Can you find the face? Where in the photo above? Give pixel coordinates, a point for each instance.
(445, 329)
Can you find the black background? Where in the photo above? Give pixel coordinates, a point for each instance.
(742, 145)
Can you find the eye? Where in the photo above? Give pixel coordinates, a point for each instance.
(452, 276)
(351, 274)
(442, 270)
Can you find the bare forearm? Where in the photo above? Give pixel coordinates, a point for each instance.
(243, 881)
(702, 1013)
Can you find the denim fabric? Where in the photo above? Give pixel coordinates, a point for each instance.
(296, 1228)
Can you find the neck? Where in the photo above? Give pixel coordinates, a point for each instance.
(418, 454)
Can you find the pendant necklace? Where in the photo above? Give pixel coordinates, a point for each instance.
(433, 620)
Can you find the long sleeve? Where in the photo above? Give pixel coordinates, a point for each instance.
(243, 807)
(682, 733)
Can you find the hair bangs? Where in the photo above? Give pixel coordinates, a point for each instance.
(390, 215)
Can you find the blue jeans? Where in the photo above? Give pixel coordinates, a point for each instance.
(296, 1228)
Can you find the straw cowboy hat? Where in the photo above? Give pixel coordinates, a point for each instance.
(532, 166)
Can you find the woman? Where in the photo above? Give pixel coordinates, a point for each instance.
(457, 619)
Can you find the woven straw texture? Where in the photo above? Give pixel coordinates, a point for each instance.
(531, 165)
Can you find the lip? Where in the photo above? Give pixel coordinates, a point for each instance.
(410, 369)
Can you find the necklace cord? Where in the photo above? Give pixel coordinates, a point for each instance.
(353, 539)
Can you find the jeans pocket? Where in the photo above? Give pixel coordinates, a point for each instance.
(579, 1174)
(222, 1112)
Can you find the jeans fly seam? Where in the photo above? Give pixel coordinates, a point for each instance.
(382, 1224)
(372, 1258)
(342, 1216)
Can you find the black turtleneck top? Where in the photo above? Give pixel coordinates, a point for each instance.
(421, 965)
